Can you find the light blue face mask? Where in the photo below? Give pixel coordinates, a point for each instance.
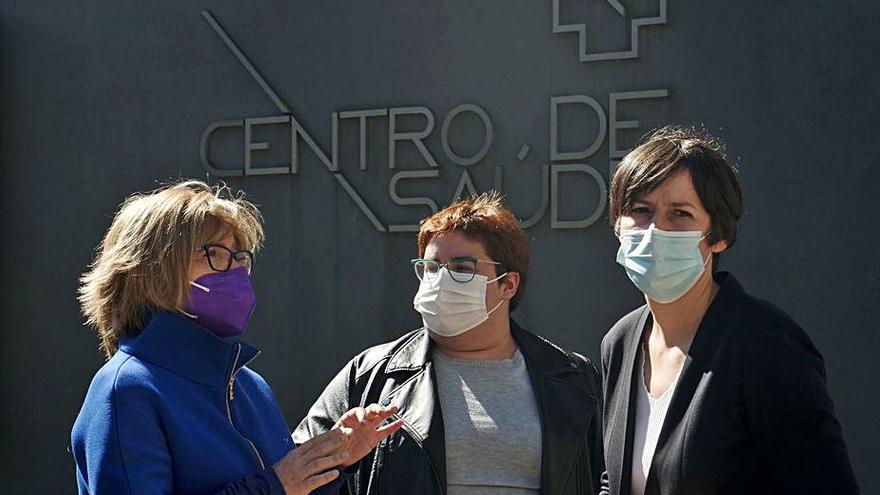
(663, 265)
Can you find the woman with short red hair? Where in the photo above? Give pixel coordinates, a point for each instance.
(487, 407)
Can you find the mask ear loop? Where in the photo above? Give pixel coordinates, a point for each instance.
(711, 254)
(502, 299)
(194, 317)
(198, 286)
(496, 307)
(705, 261)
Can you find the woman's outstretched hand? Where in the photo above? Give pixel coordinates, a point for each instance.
(362, 426)
(318, 461)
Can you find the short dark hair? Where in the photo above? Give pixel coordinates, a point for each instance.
(669, 150)
(485, 219)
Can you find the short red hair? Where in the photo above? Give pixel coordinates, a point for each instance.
(485, 219)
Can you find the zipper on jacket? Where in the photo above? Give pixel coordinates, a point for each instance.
(231, 396)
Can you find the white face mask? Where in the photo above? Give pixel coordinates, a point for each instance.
(451, 308)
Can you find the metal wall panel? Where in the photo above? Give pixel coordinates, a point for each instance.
(422, 98)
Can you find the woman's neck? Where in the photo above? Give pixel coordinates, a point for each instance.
(676, 323)
(489, 340)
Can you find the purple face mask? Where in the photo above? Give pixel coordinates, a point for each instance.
(222, 302)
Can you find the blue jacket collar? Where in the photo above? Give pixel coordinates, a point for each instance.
(174, 342)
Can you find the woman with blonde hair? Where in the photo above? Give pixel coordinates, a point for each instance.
(176, 409)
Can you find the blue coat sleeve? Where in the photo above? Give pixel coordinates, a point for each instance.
(267, 483)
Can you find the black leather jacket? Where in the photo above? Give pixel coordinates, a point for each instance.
(413, 460)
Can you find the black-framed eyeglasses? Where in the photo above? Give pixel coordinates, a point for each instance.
(460, 269)
(220, 257)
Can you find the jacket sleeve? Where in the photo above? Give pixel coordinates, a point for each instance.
(594, 431)
(604, 482)
(598, 441)
(334, 401)
(266, 482)
(791, 416)
(598, 446)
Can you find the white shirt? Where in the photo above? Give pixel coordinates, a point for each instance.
(650, 413)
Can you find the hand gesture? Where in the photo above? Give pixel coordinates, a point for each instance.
(305, 468)
(361, 425)
(317, 461)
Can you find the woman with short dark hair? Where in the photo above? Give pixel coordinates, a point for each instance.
(708, 390)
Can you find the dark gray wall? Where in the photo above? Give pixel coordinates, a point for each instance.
(101, 99)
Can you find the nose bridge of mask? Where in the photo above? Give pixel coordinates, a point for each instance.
(641, 242)
(477, 277)
(653, 229)
(442, 287)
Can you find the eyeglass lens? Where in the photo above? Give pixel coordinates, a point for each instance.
(220, 258)
(460, 270)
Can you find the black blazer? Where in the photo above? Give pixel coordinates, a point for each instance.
(750, 413)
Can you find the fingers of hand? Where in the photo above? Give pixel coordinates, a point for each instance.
(319, 480)
(387, 412)
(322, 444)
(304, 472)
(388, 429)
(373, 410)
(327, 462)
(375, 413)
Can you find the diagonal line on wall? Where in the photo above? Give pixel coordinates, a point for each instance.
(245, 62)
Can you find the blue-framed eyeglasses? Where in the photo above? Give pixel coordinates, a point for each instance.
(462, 269)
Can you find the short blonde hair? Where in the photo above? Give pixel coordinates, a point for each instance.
(144, 260)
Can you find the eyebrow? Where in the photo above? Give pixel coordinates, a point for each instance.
(457, 258)
(674, 203)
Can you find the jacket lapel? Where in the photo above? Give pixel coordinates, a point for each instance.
(565, 408)
(416, 399)
(621, 421)
(695, 371)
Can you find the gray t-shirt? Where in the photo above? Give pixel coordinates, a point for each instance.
(492, 426)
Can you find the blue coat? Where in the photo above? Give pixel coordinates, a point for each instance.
(176, 410)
